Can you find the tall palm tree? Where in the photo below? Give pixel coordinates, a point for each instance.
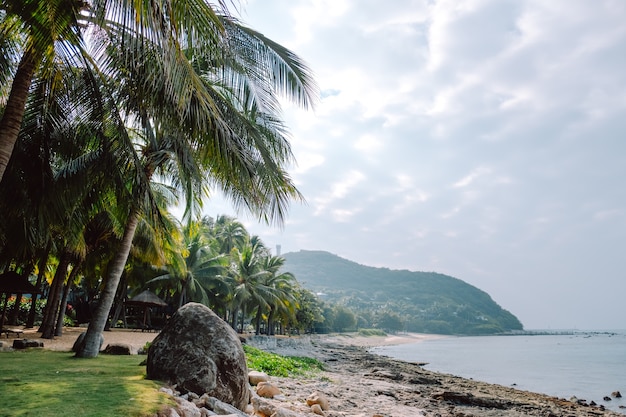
(242, 151)
(40, 28)
(278, 296)
(246, 279)
(34, 33)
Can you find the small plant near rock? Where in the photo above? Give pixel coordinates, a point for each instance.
(144, 349)
(278, 365)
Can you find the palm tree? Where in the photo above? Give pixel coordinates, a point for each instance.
(278, 294)
(229, 233)
(35, 33)
(242, 156)
(196, 269)
(40, 28)
(56, 178)
(245, 277)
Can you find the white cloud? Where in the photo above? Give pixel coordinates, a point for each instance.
(471, 177)
(368, 143)
(337, 191)
(307, 161)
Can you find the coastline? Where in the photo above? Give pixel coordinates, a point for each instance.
(376, 341)
(362, 384)
(358, 383)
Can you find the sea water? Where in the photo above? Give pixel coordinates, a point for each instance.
(587, 365)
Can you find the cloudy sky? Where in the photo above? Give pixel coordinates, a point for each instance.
(483, 139)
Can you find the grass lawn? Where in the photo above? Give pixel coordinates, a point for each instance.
(36, 382)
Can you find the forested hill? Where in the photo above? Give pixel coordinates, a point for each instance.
(424, 301)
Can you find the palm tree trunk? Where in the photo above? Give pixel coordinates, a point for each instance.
(91, 342)
(258, 321)
(243, 317)
(11, 122)
(30, 323)
(233, 318)
(54, 299)
(63, 305)
(183, 294)
(120, 298)
(15, 312)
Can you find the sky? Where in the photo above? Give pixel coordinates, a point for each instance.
(482, 139)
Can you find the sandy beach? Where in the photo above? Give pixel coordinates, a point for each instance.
(361, 384)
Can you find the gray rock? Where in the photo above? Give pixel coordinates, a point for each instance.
(262, 406)
(118, 349)
(197, 351)
(26, 343)
(186, 408)
(223, 409)
(283, 412)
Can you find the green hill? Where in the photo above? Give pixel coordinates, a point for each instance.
(425, 301)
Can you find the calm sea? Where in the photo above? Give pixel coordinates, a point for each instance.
(588, 365)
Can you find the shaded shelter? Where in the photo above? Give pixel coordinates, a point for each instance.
(13, 283)
(146, 299)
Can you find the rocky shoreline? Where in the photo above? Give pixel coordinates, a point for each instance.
(359, 383)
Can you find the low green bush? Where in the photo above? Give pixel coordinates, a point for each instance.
(278, 365)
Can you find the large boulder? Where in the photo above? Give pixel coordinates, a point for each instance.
(199, 352)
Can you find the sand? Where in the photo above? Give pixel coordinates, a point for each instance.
(134, 338)
(361, 384)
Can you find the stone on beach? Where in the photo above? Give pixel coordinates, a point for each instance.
(197, 351)
(254, 377)
(318, 398)
(317, 409)
(267, 389)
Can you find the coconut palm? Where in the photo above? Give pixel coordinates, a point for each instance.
(278, 295)
(241, 151)
(246, 277)
(229, 233)
(37, 31)
(56, 179)
(196, 268)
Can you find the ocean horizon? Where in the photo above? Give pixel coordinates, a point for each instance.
(588, 365)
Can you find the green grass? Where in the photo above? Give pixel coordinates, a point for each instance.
(37, 382)
(277, 365)
(56, 384)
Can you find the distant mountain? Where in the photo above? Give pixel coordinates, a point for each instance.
(427, 301)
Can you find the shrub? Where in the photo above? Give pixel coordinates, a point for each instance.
(278, 365)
